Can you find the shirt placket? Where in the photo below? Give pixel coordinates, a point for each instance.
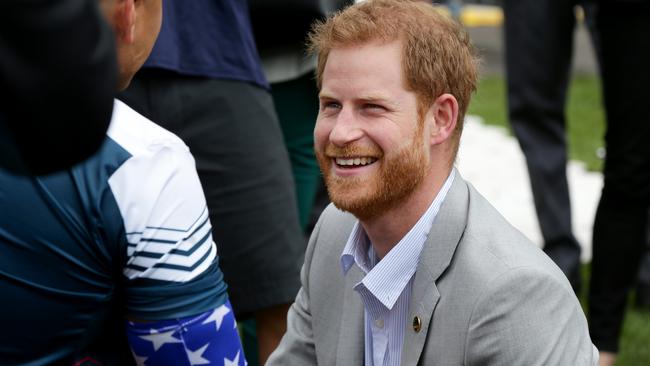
(379, 339)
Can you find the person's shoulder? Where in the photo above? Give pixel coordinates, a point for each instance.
(492, 243)
(139, 136)
(335, 225)
(157, 172)
(487, 227)
(331, 232)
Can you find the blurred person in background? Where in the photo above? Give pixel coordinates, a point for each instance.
(539, 44)
(204, 81)
(642, 291)
(539, 39)
(112, 262)
(621, 224)
(58, 75)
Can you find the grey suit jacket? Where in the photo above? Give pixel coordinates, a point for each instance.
(484, 293)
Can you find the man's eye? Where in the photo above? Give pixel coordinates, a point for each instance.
(331, 105)
(372, 106)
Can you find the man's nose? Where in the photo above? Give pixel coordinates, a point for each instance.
(346, 128)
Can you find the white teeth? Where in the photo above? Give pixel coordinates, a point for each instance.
(355, 161)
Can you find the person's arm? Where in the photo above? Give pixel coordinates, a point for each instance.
(527, 317)
(177, 308)
(209, 338)
(59, 76)
(297, 346)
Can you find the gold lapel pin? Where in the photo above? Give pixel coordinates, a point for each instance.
(417, 324)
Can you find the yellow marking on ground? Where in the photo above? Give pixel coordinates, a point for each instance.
(481, 16)
(489, 15)
(476, 15)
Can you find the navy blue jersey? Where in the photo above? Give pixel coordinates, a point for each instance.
(123, 235)
(210, 38)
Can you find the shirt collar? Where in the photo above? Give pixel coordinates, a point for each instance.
(387, 279)
(356, 250)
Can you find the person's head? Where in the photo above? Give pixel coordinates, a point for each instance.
(136, 24)
(395, 80)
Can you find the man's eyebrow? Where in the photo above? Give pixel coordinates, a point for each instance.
(325, 95)
(369, 98)
(373, 98)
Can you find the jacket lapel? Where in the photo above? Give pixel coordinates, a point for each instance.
(436, 255)
(351, 342)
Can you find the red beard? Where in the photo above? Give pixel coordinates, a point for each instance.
(367, 196)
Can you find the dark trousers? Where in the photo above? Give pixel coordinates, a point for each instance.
(539, 42)
(621, 222)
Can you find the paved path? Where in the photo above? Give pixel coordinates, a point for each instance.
(493, 162)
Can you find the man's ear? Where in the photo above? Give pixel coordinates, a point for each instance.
(442, 118)
(124, 20)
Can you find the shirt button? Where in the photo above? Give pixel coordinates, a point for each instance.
(379, 323)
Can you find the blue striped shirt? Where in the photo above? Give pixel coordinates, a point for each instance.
(385, 289)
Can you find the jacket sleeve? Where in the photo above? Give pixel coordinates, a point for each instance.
(59, 76)
(528, 317)
(297, 346)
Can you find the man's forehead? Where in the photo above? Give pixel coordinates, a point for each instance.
(367, 70)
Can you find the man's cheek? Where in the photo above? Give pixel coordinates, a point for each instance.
(321, 137)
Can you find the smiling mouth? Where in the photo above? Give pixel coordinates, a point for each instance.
(354, 162)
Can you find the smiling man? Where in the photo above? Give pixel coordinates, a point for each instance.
(411, 265)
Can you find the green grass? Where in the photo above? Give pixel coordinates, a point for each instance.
(585, 115)
(585, 118)
(489, 101)
(636, 335)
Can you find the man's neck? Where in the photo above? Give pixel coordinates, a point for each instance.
(387, 229)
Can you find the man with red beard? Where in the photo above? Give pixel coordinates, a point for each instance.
(411, 265)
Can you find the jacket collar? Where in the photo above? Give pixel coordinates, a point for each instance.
(436, 256)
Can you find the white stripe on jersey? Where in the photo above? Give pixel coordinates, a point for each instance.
(161, 201)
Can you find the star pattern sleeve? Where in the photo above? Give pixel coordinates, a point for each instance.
(209, 338)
